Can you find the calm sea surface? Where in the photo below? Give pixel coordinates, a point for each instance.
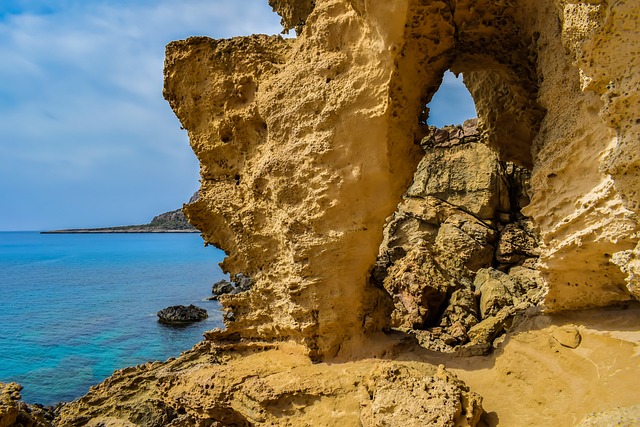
(76, 307)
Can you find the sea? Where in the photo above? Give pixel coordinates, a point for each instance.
(76, 307)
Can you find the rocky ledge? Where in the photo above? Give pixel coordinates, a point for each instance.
(15, 413)
(180, 314)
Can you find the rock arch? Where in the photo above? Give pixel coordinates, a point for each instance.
(307, 145)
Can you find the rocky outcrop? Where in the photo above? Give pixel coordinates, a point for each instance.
(209, 386)
(174, 220)
(458, 249)
(168, 222)
(14, 412)
(394, 382)
(296, 192)
(221, 288)
(240, 283)
(179, 314)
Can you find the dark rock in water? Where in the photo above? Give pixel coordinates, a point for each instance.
(241, 283)
(221, 288)
(182, 314)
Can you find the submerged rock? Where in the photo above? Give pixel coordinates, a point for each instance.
(178, 314)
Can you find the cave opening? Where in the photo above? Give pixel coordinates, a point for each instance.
(458, 256)
(452, 104)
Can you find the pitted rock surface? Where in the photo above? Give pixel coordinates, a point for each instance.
(307, 146)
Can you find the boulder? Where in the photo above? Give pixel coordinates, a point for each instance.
(221, 288)
(460, 315)
(567, 335)
(490, 328)
(465, 245)
(418, 286)
(517, 242)
(402, 396)
(465, 174)
(179, 314)
(497, 290)
(241, 283)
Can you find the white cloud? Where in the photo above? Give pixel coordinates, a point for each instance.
(81, 98)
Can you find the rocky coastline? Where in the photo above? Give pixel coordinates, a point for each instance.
(479, 275)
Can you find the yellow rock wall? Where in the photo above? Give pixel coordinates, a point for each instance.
(584, 185)
(306, 146)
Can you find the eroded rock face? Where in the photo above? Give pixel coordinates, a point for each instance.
(14, 412)
(209, 387)
(306, 233)
(307, 146)
(458, 249)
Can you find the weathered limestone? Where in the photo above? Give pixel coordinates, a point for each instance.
(307, 145)
(211, 387)
(307, 148)
(299, 229)
(459, 222)
(621, 417)
(294, 13)
(14, 412)
(546, 372)
(584, 221)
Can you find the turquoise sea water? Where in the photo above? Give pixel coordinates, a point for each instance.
(76, 307)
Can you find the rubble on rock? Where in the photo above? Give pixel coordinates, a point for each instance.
(458, 248)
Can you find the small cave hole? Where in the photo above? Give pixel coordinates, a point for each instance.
(452, 104)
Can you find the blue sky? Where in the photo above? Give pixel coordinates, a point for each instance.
(86, 139)
(452, 103)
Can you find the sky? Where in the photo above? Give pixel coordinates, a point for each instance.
(86, 139)
(452, 103)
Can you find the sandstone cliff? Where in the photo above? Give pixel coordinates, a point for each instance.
(307, 148)
(307, 145)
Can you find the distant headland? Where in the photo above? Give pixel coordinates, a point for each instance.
(168, 222)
